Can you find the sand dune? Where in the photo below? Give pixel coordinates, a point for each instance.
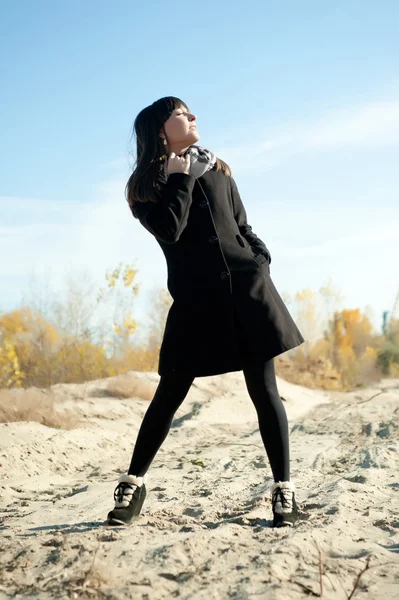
(205, 530)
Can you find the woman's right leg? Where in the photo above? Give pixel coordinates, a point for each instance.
(169, 395)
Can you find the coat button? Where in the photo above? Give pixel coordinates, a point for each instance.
(213, 239)
(224, 274)
(240, 241)
(203, 204)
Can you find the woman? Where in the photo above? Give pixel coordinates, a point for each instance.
(226, 313)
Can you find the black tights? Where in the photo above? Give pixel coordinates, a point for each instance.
(172, 389)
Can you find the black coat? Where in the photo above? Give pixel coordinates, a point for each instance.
(225, 307)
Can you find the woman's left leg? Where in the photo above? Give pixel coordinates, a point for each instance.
(261, 383)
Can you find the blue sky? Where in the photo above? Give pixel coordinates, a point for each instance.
(300, 98)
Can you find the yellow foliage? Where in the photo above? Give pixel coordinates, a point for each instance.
(118, 330)
(130, 324)
(369, 355)
(339, 351)
(351, 340)
(35, 352)
(25, 335)
(10, 373)
(128, 276)
(394, 369)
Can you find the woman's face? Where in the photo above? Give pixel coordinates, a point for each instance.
(181, 129)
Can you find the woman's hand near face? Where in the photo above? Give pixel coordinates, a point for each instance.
(178, 164)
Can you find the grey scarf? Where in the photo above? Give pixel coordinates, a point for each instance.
(201, 161)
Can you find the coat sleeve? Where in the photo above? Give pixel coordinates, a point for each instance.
(240, 216)
(167, 218)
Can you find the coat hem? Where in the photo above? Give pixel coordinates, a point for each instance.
(234, 368)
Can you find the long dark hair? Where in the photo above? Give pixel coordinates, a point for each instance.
(150, 147)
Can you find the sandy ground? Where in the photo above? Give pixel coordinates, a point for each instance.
(205, 530)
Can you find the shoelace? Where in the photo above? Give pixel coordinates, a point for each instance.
(284, 497)
(123, 492)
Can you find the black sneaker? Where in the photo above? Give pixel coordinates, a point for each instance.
(285, 509)
(129, 496)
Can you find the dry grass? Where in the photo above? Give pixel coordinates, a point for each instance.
(33, 404)
(39, 404)
(130, 386)
(320, 373)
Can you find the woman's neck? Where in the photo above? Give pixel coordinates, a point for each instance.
(178, 148)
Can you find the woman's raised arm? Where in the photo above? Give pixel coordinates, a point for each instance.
(167, 218)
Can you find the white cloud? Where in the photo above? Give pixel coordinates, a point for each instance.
(365, 126)
(386, 234)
